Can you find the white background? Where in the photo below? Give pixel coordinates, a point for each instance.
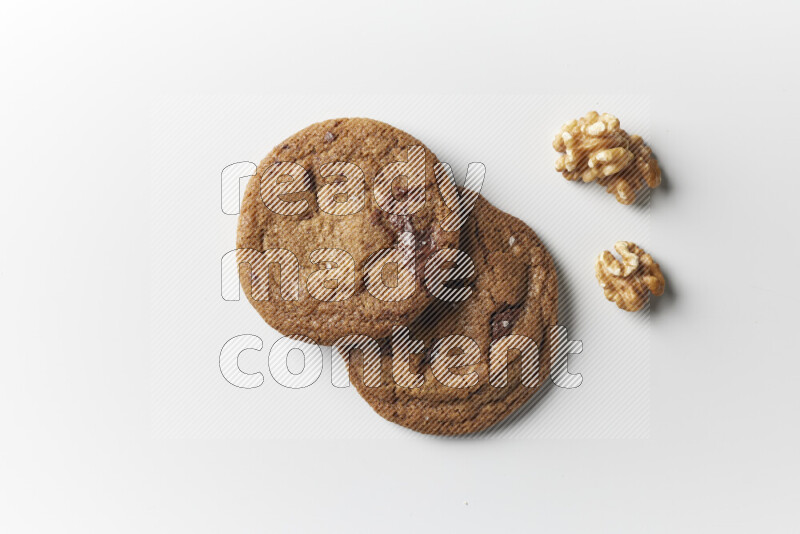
(78, 448)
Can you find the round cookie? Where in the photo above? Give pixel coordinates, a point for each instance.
(514, 292)
(328, 205)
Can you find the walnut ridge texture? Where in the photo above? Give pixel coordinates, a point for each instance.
(595, 149)
(629, 282)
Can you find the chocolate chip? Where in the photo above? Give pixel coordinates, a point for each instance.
(329, 137)
(502, 321)
(312, 182)
(459, 283)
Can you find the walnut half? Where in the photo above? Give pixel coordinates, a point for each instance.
(629, 283)
(595, 149)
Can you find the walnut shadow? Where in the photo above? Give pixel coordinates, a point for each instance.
(644, 197)
(660, 305)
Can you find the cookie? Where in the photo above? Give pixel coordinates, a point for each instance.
(513, 293)
(324, 203)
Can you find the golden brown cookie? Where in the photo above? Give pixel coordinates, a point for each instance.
(322, 191)
(514, 297)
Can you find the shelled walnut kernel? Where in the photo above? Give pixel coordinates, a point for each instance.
(595, 149)
(629, 283)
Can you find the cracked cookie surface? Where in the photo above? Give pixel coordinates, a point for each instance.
(365, 146)
(514, 293)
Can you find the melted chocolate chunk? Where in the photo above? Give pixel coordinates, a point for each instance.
(502, 321)
(312, 182)
(312, 186)
(426, 242)
(458, 283)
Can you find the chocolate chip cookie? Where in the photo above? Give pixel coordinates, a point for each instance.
(322, 206)
(452, 386)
